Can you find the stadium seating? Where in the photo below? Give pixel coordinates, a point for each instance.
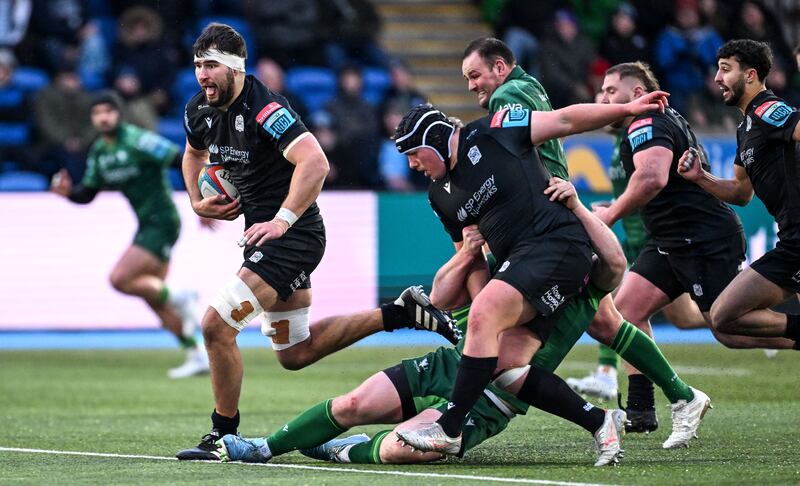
(29, 78)
(14, 134)
(315, 86)
(171, 128)
(19, 181)
(376, 82)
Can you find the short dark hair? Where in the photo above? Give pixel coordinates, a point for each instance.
(750, 54)
(223, 37)
(639, 70)
(490, 49)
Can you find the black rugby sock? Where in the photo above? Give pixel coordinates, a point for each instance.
(394, 317)
(546, 391)
(473, 376)
(223, 425)
(641, 395)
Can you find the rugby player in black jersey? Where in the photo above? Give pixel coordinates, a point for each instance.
(278, 168)
(767, 164)
(488, 173)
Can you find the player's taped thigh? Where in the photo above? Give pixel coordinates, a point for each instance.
(286, 328)
(236, 304)
(509, 376)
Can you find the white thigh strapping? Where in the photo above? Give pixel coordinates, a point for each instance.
(286, 328)
(236, 304)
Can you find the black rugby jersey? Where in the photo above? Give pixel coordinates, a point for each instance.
(248, 140)
(769, 155)
(682, 212)
(498, 183)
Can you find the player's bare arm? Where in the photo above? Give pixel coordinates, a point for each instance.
(608, 270)
(547, 125)
(462, 277)
(311, 168)
(61, 183)
(210, 207)
(738, 191)
(649, 178)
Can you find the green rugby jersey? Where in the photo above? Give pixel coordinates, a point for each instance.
(522, 91)
(135, 163)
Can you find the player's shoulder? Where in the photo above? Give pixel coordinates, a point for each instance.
(771, 110)
(514, 117)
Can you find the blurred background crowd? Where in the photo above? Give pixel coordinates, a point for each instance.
(332, 61)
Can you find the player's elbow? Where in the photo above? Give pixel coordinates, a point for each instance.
(617, 265)
(743, 198)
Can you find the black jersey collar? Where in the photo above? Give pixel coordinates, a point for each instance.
(759, 98)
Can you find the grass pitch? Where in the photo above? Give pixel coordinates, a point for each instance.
(120, 403)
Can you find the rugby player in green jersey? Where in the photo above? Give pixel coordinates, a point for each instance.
(134, 161)
(491, 72)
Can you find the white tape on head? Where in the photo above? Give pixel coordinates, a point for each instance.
(225, 58)
(236, 304)
(286, 328)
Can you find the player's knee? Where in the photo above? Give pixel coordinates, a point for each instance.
(605, 325)
(347, 409)
(294, 359)
(721, 317)
(118, 281)
(215, 331)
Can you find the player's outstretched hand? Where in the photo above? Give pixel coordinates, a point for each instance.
(690, 166)
(260, 233)
(217, 207)
(657, 100)
(563, 191)
(473, 239)
(61, 183)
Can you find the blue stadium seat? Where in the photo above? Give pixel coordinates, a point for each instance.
(14, 134)
(376, 82)
(11, 98)
(316, 86)
(18, 181)
(172, 129)
(109, 27)
(30, 78)
(183, 88)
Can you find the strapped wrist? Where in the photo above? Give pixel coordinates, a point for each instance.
(287, 215)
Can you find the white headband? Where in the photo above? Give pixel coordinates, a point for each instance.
(231, 60)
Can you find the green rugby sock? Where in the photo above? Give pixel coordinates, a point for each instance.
(163, 295)
(309, 429)
(638, 349)
(607, 357)
(368, 452)
(187, 342)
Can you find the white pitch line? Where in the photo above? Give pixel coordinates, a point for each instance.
(313, 468)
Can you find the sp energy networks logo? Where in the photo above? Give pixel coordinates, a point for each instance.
(480, 197)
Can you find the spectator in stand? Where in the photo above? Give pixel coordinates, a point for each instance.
(402, 92)
(180, 16)
(686, 56)
(719, 16)
(593, 17)
(567, 56)
(61, 32)
(272, 75)
(14, 18)
(652, 17)
(393, 166)
(321, 126)
(61, 114)
(624, 43)
(354, 36)
(523, 28)
(291, 31)
(144, 66)
(355, 123)
(756, 22)
(14, 108)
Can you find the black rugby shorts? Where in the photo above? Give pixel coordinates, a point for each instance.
(702, 269)
(781, 265)
(286, 263)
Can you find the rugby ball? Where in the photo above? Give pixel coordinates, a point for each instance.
(214, 180)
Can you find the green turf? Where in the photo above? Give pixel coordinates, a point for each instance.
(121, 402)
